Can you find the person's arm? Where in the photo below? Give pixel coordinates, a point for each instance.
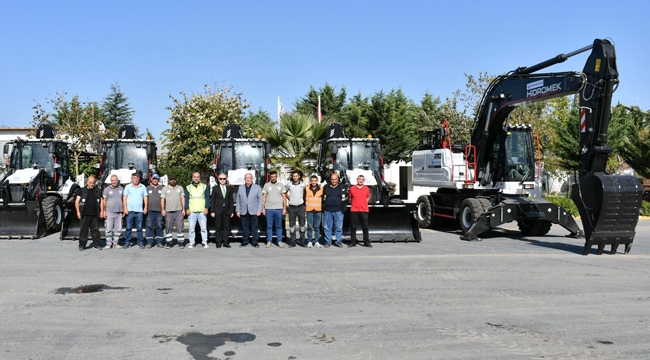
(238, 202)
(76, 206)
(102, 207)
(264, 202)
(124, 199)
(187, 203)
(183, 212)
(368, 190)
(259, 196)
(146, 202)
(162, 203)
(285, 196)
(206, 195)
(213, 198)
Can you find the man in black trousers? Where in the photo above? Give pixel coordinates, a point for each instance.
(222, 209)
(87, 205)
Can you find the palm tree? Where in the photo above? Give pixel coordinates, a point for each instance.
(295, 140)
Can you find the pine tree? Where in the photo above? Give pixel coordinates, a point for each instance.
(117, 110)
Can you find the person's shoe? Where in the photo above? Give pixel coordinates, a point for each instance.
(226, 245)
(317, 245)
(160, 245)
(168, 245)
(309, 245)
(352, 244)
(292, 245)
(367, 244)
(98, 247)
(339, 245)
(268, 244)
(81, 248)
(117, 246)
(243, 245)
(141, 247)
(107, 247)
(256, 245)
(148, 246)
(218, 246)
(206, 246)
(327, 245)
(280, 244)
(126, 246)
(190, 246)
(181, 245)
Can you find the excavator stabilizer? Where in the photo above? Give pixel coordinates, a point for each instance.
(22, 221)
(609, 206)
(392, 222)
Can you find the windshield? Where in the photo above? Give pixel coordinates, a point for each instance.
(247, 156)
(364, 156)
(128, 155)
(32, 154)
(518, 145)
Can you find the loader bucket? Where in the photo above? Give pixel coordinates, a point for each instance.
(72, 225)
(392, 222)
(609, 206)
(22, 221)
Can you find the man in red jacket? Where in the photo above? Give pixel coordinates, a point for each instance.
(359, 198)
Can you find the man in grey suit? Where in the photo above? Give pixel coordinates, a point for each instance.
(249, 208)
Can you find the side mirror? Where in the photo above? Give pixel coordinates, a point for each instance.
(51, 148)
(335, 149)
(444, 132)
(100, 148)
(267, 149)
(213, 150)
(5, 149)
(149, 150)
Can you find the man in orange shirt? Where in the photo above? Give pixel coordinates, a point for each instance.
(359, 198)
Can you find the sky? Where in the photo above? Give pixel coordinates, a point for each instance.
(264, 49)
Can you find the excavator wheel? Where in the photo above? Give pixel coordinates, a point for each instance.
(470, 210)
(534, 227)
(425, 212)
(53, 211)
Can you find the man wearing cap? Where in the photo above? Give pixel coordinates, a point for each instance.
(154, 217)
(172, 203)
(198, 195)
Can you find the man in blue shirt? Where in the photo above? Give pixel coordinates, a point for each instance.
(135, 195)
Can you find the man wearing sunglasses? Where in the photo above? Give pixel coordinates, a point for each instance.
(221, 210)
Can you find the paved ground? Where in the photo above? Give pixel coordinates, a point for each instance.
(503, 298)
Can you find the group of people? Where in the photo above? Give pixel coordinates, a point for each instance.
(308, 205)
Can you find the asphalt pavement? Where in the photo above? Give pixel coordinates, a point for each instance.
(506, 297)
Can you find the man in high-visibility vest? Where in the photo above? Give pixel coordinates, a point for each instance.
(197, 196)
(314, 208)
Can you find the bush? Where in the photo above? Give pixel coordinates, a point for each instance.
(571, 207)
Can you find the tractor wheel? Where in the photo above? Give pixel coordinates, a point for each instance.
(470, 210)
(53, 211)
(534, 227)
(425, 212)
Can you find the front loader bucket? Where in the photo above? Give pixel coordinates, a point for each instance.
(609, 206)
(22, 221)
(72, 225)
(393, 222)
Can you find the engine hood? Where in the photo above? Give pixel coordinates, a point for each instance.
(23, 176)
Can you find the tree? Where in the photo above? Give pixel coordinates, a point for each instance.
(331, 102)
(253, 122)
(630, 137)
(354, 116)
(390, 119)
(117, 111)
(78, 122)
(196, 121)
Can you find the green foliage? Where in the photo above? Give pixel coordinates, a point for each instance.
(630, 137)
(183, 174)
(354, 116)
(564, 202)
(390, 119)
(331, 102)
(117, 111)
(253, 122)
(565, 145)
(78, 122)
(645, 210)
(195, 122)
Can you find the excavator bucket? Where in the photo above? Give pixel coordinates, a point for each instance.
(609, 206)
(22, 221)
(392, 222)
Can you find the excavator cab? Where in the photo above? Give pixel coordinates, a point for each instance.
(389, 219)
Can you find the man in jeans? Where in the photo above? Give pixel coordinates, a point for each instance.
(197, 204)
(296, 197)
(359, 198)
(334, 204)
(274, 200)
(135, 195)
(154, 218)
(314, 209)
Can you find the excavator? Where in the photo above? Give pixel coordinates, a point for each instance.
(389, 218)
(237, 156)
(123, 157)
(36, 185)
(468, 177)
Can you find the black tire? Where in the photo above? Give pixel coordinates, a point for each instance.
(470, 210)
(53, 211)
(534, 227)
(424, 212)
